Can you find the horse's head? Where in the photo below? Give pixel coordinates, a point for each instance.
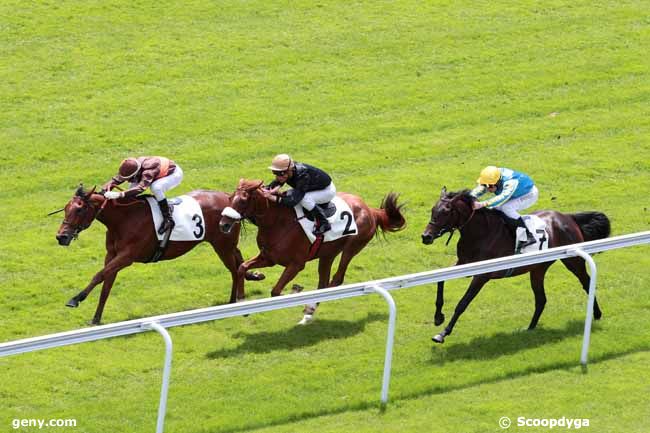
(79, 214)
(242, 204)
(452, 211)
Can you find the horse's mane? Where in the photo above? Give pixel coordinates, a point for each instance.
(250, 184)
(463, 195)
(466, 196)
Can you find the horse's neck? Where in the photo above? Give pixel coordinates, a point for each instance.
(114, 214)
(272, 216)
(482, 233)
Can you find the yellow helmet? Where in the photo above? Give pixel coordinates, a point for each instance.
(281, 162)
(490, 175)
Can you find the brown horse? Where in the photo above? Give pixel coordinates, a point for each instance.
(484, 235)
(131, 237)
(281, 239)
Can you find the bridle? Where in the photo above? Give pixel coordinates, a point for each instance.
(451, 230)
(85, 220)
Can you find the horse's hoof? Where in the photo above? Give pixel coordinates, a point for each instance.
(72, 303)
(306, 319)
(439, 320)
(254, 276)
(297, 288)
(93, 323)
(438, 339)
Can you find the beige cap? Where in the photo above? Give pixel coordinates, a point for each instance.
(281, 162)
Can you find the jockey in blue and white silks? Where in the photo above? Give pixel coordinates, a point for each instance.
(513, 191)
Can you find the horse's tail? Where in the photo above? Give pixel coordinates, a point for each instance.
(593, 225)
(389, 215)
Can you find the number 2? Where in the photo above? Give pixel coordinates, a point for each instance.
(347, 230)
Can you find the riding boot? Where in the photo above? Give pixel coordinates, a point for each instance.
(168, 221)
(530, 239)
(323, 225)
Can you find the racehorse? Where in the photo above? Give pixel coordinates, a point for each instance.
(484, 235)
(131, 237)
(281, 239)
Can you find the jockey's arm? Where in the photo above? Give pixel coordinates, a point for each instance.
(146, 179)
(479, 191)
(291, 198)
(509, 188)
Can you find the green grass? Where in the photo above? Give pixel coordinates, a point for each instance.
(403, 96)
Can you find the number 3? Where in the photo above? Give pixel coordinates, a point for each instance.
(199, 225)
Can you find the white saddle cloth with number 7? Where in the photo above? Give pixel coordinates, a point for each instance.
(342, 222)
(539, 231)
(188, 217)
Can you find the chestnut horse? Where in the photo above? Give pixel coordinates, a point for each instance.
(131, 237)
(484, 235)
(282, 241)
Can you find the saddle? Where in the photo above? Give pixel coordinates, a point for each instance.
(328, 208)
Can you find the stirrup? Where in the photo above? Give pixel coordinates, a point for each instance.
(322, 228)
(167, 225)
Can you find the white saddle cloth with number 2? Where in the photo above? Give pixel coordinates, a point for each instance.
(538, 227)
(342, 222)
(187, 214)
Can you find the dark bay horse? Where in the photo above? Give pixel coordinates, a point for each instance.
(281, 239)
(131, 237)
(484, 235)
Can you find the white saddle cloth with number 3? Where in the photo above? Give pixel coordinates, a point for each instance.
(188, 217)
(342, 222)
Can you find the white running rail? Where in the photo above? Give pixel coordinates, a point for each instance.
(162, 322)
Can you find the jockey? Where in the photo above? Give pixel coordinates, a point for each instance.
(513, 191)
(155, 172)
(311, 186)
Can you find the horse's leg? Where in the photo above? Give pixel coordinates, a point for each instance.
(109, 272)
(474, 287)
(348, 254)
(250, 276)
(537, 284)
(98, 278)
(324, 271)
(439, 317)
(259, 261)
(288, 274)
(577, 266)
(231, 262)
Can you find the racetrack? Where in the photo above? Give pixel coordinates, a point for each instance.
(387, 97)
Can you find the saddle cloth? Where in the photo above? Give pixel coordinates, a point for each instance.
(187, 214)
(342, 222)
(539, 231)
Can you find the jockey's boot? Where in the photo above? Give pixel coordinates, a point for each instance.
(530, 239)
(168, 221)
(323, 224)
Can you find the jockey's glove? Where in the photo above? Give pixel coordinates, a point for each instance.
(112, 195)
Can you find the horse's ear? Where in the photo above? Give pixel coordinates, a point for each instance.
(443, 192)
(80, 190)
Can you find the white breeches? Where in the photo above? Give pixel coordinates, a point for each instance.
(511, 207)
(318, 197)
(158, 187)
